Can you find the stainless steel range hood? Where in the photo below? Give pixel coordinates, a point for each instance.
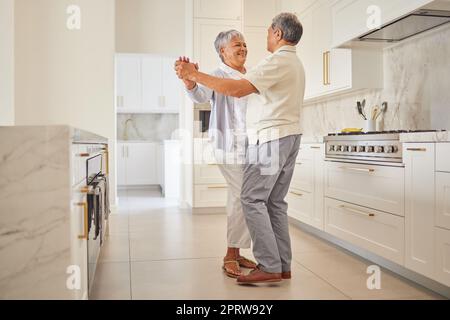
(408, 26)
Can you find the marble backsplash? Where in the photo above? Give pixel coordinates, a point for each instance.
(150, 127)
(416, 87)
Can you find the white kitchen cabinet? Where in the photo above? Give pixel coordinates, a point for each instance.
(208, 174)
(305, 197)
(379, 232)
(378, 187)
(128, 82)
(442, 216)
(151, 69)
(442, 262)
(137, 164)
(205, 33)
(172, 89)
(351, 18)
(331, 71)
(256, 39)
(151, 82)
(78, 246)
(443, 157)
(419, 159)
(218, 9)
(259, 13)
(210, 195)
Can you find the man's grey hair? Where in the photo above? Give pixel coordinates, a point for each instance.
(224, 38)
(291, 27)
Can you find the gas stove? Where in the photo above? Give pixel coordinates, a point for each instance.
(380, 146)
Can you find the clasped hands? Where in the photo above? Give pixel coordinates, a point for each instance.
(185, 69)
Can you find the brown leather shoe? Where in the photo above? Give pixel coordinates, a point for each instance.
(286, 275)
(259, 276)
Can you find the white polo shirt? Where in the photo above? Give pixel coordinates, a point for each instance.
(274, 112)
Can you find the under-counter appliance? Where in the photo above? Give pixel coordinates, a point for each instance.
(98, 207)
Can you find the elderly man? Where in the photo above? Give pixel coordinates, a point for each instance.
(276, 86)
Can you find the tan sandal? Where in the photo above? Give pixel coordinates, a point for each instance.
(229, 272)
(246, 263)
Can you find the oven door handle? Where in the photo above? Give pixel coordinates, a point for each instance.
(358, 169)
(85, 224)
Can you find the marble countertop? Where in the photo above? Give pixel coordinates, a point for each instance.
(82, 136)
(443, 136)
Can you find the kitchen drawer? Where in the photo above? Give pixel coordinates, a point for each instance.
(208, 173)
(442, 217)
(213, 195)
(443, 157)
(442, 262)
(377, 187)
(300, 205)
(376, 231)
(303, 177)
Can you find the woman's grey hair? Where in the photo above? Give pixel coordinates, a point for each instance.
(224, 38)
(291, 27)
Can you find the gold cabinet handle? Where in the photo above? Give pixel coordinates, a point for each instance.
(417, 149)
(296, 193)
(357, 211)
(107, 161)
(312, 147)
(85, 207)
(84, 155)
(299, 163)
(358, 169)
(326, 68)
(217, 187)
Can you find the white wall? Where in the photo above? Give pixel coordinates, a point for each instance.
(6, 62)
(63, 76)
(150, 26)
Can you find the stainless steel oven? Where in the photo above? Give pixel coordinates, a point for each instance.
(98, 207)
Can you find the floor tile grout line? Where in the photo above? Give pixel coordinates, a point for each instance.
(323, 279)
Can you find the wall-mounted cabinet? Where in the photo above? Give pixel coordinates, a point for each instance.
(218, 9)
(331, 71)
(147, 84)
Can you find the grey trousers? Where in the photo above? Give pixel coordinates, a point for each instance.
(266, 180)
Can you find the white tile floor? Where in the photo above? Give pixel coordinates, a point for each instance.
(157, 251)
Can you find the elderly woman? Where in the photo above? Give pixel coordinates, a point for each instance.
(227, 134)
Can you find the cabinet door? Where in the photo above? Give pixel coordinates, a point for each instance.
(259, 13)
(218, 9)
(306, 53)
(300, 205)
(419, 207)
(206, 31)
(319, 166)
(442, 273)
(128, 82)
(172, 91)
(443, 200)
(151, 82)
(141, 164)
(121, 165)
(78, 234)
(256, 39)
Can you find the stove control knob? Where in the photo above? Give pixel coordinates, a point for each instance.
(331, 147)
(391, 149)
(361, 149)
(379, 149)
(370, 149)
(354, 149)
(345, 148)
(338, 148)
